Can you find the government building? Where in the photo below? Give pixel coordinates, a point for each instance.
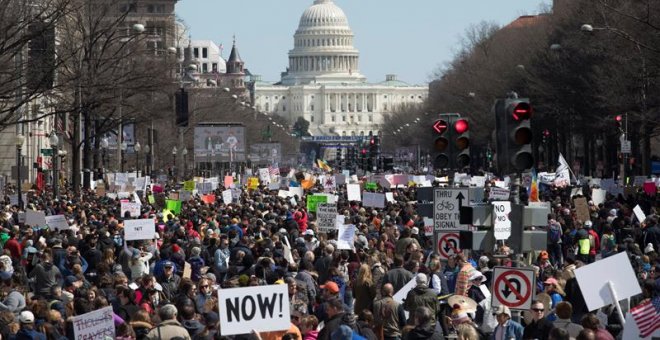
(323, 84)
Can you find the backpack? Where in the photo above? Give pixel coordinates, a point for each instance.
(554, 233)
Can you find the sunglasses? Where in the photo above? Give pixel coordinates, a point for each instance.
(203, 286)
(538, 310)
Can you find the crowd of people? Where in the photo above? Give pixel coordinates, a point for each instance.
(166, 287)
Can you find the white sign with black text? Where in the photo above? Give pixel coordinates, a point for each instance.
(143, 229)
(501, 221)
(447, 205)
(262, 308)
(326, 217)
(57, 222)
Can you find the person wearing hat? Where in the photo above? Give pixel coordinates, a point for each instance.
(506, 328)
(14, 301)
(27, 330)
(311, 242)
(594, 240)
(420, 296)
(71, 284)
(651, 232)
(169, 327)
(478, 292)
(556, 292)
(169, 280)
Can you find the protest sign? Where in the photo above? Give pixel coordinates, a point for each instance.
(296, 191)
(262, 308)
(370, 186)
(97, 324)
(403, 292)
(57, 222)
(582, 209)
(226, 196)
(650, 188)
(143, 229)
(598, 195)
(390, 197)
(35, 218)
(173, 195)
(189, 185)
(264, 175)
(373, 200)
(174, 206)
(326, 215)
(132, 208)
(283, 193)
(313, 200)
(499, 194)
(353, 192)
(185, 195)
(345, 236)
(639, 213)
(229, 180)
(274, 186)
(329, 183)
(208, 199)
(253, 183)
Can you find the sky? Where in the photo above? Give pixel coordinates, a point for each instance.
(411, 38)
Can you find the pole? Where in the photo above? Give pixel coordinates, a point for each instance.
(615, 298)
(137, 163)
(18, 177)
(56, 175)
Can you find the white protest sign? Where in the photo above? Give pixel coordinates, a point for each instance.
(57, 222)
(132, 208)
(329, 183)
(389, 196)
(403, 292)
(345, 236)
(478, 181)
(274, 186)
(598, 195)
(293, 202)
(283, 193)
(35, 218)
(374, 200)
(446, 208)
(226, 196)
(264, 175)
(296, 191)
(341, 220)
(498, 194)
(428, 226)
(639, 213)
(136, 198)
(353, 192)
(326, 215)
(501, 221)
(94, 325)
(143, 229)
(262, 308)
(123, 194)
(593, 281)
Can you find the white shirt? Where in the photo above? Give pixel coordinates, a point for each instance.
(501, 331)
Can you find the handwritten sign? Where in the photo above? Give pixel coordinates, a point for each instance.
(143, 229)
(262, 308)
(94, 325)
(313, 200)
(189, 185)
(226, 196)
(346, 236)
(326, 216)
(373, 200)
(173, 206)
(132, 208)
(353, 192)
(57, 222)
(253, 183)
(35, 218)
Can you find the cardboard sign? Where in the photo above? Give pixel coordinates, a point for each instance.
(226, 196)
(389, 196)
(143, 229)
(57, 222)
(593, 280)
(187, 270)
(313, 200)
(97, 324)
(264, 175)
(582, 209)
(345, 236)
(353, 192)
(326, 216)
(132, 208)
(262, 308)
(374, 200)
(35, 218)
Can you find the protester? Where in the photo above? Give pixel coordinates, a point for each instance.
(169, 327)
(506, 328)
(540, 326)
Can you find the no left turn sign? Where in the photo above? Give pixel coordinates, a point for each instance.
(448, 245)
(513, 287)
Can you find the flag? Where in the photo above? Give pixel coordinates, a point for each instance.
(323, 165)
(534, 188)
(274, 170)
(647, 316)
(563, 173)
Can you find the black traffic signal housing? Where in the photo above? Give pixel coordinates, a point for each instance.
(374, 153)
(181, 101)
(513, 135)
(461, 127)
(441, 150)
(451, 145)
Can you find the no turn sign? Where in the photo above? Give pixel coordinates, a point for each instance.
(513, 287)
(448, 245)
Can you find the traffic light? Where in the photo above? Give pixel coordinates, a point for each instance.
(181, 100)
(374, 153)
(462, 142)
(441, 149)
(514, 134)
(618, 121)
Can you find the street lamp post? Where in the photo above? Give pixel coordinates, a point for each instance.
(123, 148)
(174, 162)
(104, 147)
(20, 139)
(184, 152)
(137, 147)
(56, 178)
(147, 150)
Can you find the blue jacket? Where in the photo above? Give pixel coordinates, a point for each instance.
(513, 330)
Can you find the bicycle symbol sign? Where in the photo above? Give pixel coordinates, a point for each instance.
(446, 208)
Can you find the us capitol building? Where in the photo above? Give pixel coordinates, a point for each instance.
(323, 83)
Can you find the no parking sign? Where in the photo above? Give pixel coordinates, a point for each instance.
(513, 287)
(448, 245)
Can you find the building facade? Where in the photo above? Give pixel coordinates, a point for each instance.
(323, 84)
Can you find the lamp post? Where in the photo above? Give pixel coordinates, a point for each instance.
(20, 139)
(137, 147)
(184, 152)
(104, 147)
(56, 178)
(147, 150)
(123, 148)
(174, 162)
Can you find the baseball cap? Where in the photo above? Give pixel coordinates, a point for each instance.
(415, 230)
(70, 281)
(168, 264)
(502, 309)
(309, 232)
(26, 317)
(588, 224)
(211, 318)
(331, 286)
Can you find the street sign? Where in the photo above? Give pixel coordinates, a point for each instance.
(47, 152)
(448, 245)
(626, 146)
(501, 220)
(513, 287)
(446, 208)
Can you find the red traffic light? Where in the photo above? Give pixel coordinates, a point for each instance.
(372, 141)
(440, 126)
(364, 151)
(522, 111)
(619, 120)
(461, 126)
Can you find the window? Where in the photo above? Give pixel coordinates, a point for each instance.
(196, 52)
(311, 107)
(350, 107)
(385, 107)
(343, 118)
(332, 118)
(267, 107)
(205, 68)
(214, 67)
(283, 108)
(371, 119)
(311, 118)
(205, 52)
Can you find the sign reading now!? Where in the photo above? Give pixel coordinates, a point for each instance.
(261, 308)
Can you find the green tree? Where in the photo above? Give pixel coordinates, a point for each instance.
(301, 127)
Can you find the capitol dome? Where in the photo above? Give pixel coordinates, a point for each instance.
(323, 48)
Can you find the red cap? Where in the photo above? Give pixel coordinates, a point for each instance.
(331, 287)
